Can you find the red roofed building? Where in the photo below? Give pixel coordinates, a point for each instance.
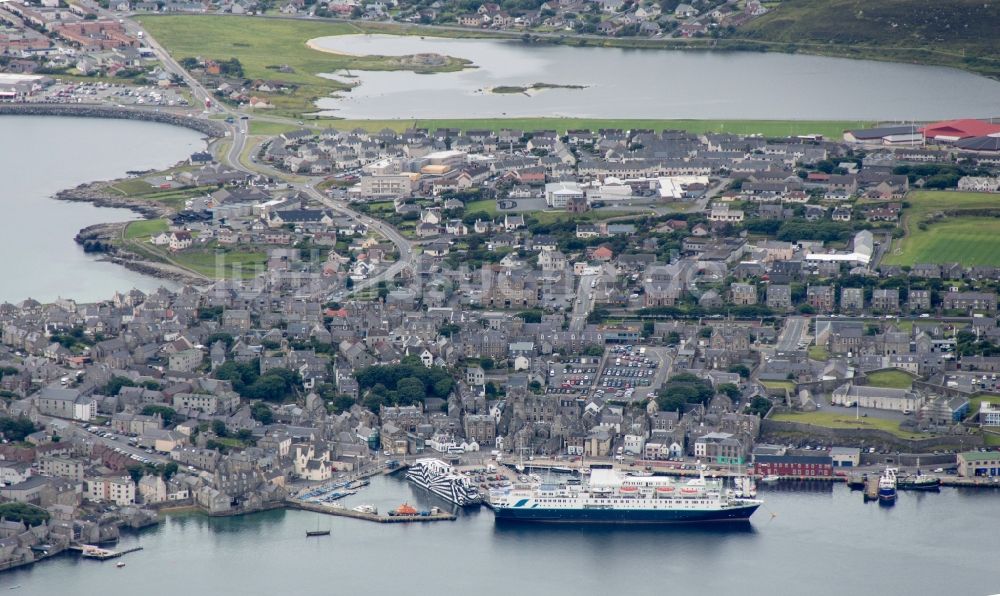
(953, 130)
(602, 253)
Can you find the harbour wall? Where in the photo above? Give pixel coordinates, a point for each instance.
(207, 127)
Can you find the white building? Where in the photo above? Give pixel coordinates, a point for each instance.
(880, 398)
(12, 472)
(979, 184)
(634, 444)
(655, 451)
(610, 191)
(864, 247)
(674, 187)
(724, 214)
(557, 194)
(120, 491)
(989, 414)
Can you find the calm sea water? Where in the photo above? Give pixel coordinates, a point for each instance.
(623, 83)
(40, 156)
(820, 542)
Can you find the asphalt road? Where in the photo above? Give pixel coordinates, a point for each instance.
(71, 429)
(792, 334)
(583, 304)
(664, 367)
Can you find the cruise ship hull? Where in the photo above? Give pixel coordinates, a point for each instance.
(440, 479)
(624, 516)
(446, 491)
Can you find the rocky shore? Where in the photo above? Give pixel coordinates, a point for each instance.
(100, 194)
(103, 239)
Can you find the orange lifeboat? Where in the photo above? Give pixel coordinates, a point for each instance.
(405, 509)
(665, 489)
(629, 489)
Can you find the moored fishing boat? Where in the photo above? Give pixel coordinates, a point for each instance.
(887, 487)
(918, 481)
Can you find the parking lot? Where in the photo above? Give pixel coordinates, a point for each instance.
(627, 370)
(111, 93)
(624, 373)
(573, 374)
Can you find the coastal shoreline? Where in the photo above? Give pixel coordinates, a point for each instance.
(418, 63)
(312, 45)
(96, 193)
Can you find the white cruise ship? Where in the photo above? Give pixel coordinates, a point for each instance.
(611, 496)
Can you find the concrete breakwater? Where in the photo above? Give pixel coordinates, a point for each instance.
(207, 127)
(374, 517)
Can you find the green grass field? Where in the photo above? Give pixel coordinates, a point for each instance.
(204, 261)
(262, 43)
(893, 379)
(819, 353)
(969, 240)
(841, 420)
(548, 217)
(383, 207)
(173, 198)
(771, 128)
(144, 228)
(487, 205)
(965, 240)
(224, 265)
(132, 186)
(790, 386)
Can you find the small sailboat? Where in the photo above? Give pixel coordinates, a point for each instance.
(317, 531)
(120, 564)
(770, 478)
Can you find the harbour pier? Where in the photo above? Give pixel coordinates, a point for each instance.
(89, 551)
(426, 516)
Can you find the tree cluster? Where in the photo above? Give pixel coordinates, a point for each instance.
(276, 385)
(403, 384)
(760, 406)
(16, 429)
(166, 413)
(682, 389)
(23, 512)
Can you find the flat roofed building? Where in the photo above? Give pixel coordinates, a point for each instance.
(979, 464)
